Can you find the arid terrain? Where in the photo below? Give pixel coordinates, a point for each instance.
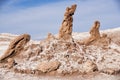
(71, 66)
(68, 55)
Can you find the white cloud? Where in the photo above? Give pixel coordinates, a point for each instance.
(40, 20)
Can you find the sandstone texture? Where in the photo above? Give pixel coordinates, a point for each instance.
(48, 66)
(90, 66)
(65, 31)
(10, 63)
(94, 33)
(15, 46)
(96, 38)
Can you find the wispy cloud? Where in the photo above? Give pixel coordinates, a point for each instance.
(8, 5)
(39, 20)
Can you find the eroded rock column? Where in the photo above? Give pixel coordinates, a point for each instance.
(65, 31)
(94, 33)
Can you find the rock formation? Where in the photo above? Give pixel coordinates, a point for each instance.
(89, 66)
(111, 71)
(96, 38)
(10, 63)
(103, 41)
(94, 33)
(15, 46)
(48, 66)
(65, 31)
(50, 37)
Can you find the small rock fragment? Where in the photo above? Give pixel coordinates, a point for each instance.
(10, 63)
(48, 66)
(89, 66)
(111, 71)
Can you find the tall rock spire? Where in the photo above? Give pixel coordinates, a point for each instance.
(65, 31)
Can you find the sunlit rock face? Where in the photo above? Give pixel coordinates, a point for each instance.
(15, 46)
(97, 38)
(65, 31)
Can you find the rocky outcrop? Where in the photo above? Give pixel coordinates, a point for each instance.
(103, 41)
(110, 71)
(94, 33)
(96, 38)
(10, 63)
(15, 46)
(89, 66)
(50, 37)
(48, 66)
(65, 31)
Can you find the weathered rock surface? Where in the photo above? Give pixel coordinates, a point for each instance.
(48, 66)
(96, 38)
(15, 46)
(10, 63)
(65, 31)
(50, 36)
(89, 66)
(94, 33)
(111, 71)
(103, 41)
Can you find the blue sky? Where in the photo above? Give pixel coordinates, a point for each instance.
(39, 17)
